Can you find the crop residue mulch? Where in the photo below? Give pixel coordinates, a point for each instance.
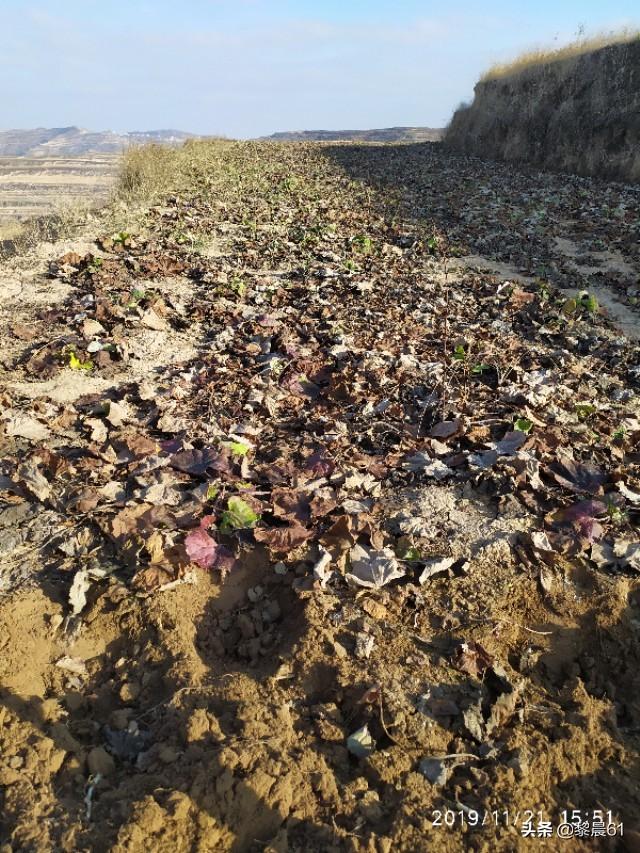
(310, 533)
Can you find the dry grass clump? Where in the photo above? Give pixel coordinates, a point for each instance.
(146, 171)
(547, 56)
(149, 171)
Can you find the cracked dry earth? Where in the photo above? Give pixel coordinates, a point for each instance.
(319, 513)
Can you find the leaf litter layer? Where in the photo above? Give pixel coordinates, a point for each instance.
(333, 531)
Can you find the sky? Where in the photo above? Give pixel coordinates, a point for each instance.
(246, 68)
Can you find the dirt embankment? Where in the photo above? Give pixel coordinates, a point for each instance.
(576, 114)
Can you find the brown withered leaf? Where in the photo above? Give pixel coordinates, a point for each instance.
(71, 258)
(24, 332)
(472, 658)
(281, 540)
(291, 504)
(578, 477)
(84, 500)
(198, 462)
(319, 464)
(323, 502)
(340, 533)
(155, 576)
(124, 523)
(446, 429)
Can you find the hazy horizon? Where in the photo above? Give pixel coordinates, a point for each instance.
(248, 68)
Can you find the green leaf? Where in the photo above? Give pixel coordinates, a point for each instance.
(479, 369)
(213, 491)
(523, 424)
(589, 302)
(237, 516)
(412, 554)
(237, 448)
(459, 353)
(583, 410)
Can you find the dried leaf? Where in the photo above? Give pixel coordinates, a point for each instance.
(22, 425)
(75, 665)
(446, 429)
(511, 443)
(78, 592)
(435, 770)
(422, 463)
(435, 566)
(372, 568)
(197, 462)
(621, 555)
(578, 477)
(291, 505)
(360, 743)
(281, 540)
(472, 658)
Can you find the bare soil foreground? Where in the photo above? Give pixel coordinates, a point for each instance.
(319, 513)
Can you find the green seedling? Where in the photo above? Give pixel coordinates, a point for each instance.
(238, 286)
(589, 302)
(76, 364)
(544, 290)
(134, 297)
(617, 515)
(619, 434)
(237, 448)
(584, 410)
(459, 353)
(363, 243)
(523, 425)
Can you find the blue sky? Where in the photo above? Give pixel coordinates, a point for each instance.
(250, 67)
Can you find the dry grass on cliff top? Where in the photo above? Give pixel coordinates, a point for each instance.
(546, 56)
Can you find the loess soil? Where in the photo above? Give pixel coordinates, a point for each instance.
(319, 512)
(574, 111)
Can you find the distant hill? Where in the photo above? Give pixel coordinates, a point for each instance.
(70, 141)
(388, 134)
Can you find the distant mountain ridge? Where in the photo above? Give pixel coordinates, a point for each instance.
(387, 134)
(73, 141)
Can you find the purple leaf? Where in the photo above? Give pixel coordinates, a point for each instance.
(582, 516)
(206, 552)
